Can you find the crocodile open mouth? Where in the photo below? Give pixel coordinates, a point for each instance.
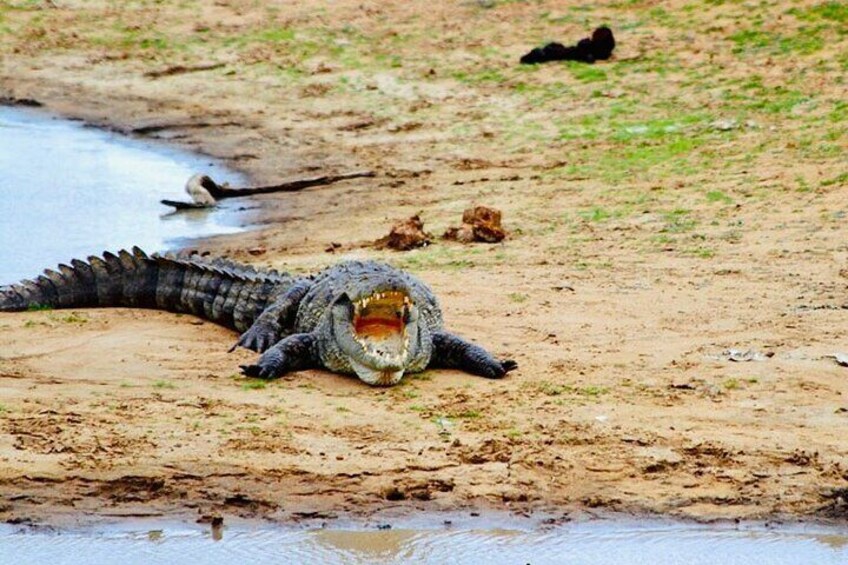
(379, 326)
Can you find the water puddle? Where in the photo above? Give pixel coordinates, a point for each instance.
(597, 543)
(69, 191)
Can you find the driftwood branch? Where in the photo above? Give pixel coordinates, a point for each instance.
(219, 192)
(176, 204)
(205, 192)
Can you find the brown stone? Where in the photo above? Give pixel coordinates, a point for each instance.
(479, 223)
(405, 235)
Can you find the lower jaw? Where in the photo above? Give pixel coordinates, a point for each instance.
(376, 377)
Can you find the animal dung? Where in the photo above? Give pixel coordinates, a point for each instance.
(405, 235)
(588, 50)
(479, 223)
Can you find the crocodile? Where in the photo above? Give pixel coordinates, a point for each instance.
(363, 318)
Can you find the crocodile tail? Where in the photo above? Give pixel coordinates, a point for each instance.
(111, 280)
(220, 291)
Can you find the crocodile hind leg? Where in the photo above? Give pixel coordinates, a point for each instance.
(453, 352)
(294, 353)
(276, 321)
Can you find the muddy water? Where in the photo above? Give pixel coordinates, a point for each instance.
(591, 543)
(69, 191)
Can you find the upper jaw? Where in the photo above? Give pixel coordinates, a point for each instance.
(397, 294)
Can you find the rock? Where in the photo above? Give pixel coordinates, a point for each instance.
(725, 125)
(405, 235)
(480, 223)
(462, 234)
(740, 356)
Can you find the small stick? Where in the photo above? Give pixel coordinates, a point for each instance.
(218, 192)
(205, 191)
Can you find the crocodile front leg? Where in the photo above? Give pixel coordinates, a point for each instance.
(453, 352)
(294, 353)
(275, 321)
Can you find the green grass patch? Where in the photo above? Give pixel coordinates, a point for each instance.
(538, 94)
(654, 129)
(254, 384)
(655, 158)
(833, 11)
(555, 389)
(596, 214)
(592, 391)
(701, 252)
(678, 221)
(275, 35)
(164, 384)
(437, 257)
(838, 180)
(586, 73)
(72, 318)
(751, 39)
(422, 376)
(839, 113)
(804, 42)
(465, 415)
(718, 196)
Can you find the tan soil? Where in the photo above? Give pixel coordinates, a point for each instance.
(622, 399)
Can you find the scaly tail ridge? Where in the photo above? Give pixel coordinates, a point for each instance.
(219, 290)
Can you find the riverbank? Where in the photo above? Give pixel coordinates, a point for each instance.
(681, 200)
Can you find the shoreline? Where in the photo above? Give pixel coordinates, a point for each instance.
(618, 291)
(416, 517)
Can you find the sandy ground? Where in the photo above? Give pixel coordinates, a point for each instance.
(686, 198)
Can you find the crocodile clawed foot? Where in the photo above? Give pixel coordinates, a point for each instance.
(270, 365)
(250, 370)
(494, 369)
(258, 371)
(257, 338)
(499, 369)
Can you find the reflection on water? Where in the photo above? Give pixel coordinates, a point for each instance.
(68, 191)
(642, 542)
